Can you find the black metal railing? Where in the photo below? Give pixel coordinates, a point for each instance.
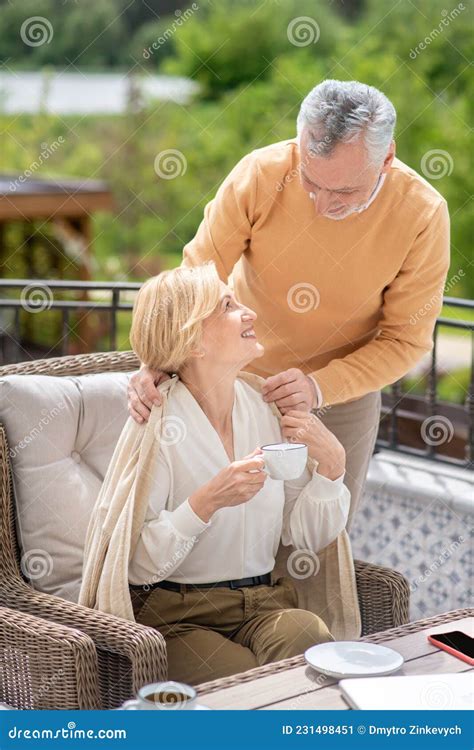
(414, 424)
(38, 296)
(426, 426)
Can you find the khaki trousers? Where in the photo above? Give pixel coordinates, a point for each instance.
(355, 424)
(216, 632)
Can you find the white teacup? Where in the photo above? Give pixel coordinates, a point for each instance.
(285, 460)
(163, 696)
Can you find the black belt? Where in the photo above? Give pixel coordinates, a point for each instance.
(237, 583)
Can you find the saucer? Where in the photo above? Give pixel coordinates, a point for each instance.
(353, 659)
(199, 707)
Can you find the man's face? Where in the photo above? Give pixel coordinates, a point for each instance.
(342, 182)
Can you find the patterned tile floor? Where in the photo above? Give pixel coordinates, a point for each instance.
(425, 538)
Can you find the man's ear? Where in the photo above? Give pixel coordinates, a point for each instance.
(389, 158)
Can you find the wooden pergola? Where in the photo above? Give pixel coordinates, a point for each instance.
(67, 207)
(69, 204)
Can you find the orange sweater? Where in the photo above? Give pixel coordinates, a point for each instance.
(351, 302)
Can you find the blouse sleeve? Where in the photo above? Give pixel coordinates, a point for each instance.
(315, 511)
(167, 537)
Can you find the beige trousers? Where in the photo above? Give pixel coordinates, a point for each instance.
(355, 424)
(216, 632)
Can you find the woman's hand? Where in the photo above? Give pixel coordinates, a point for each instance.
(323, 445)
(143, 392)
(234, 485)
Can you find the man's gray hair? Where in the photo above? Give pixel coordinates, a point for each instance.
(340, 111)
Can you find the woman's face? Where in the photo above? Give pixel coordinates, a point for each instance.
(228, 334)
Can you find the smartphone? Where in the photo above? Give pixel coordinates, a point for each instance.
(455, 643)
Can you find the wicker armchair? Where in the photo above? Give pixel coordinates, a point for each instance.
(46, 665)
(128, 654)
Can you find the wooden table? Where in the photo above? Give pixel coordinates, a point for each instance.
(292, 684)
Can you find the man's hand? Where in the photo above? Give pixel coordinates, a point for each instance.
(143, 392)
(323, 445)
(290, 389)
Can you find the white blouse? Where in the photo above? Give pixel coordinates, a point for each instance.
(239, 541)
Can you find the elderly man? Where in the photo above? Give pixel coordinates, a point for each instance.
(342, 250)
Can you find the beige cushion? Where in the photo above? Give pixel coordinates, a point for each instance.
(62, 432)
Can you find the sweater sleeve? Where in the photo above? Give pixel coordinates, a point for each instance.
(411, 304)
(315, 511)
(167, 537)
(225, 232)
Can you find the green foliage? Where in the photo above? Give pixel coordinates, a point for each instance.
(252, 79)
(152, 44)
(229, 44)
(451, 387)
(89, 34)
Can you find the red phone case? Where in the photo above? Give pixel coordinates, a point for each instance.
(450, 650)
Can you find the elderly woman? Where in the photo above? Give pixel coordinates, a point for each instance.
(202, 570)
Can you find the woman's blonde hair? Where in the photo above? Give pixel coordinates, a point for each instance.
(168, 314)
